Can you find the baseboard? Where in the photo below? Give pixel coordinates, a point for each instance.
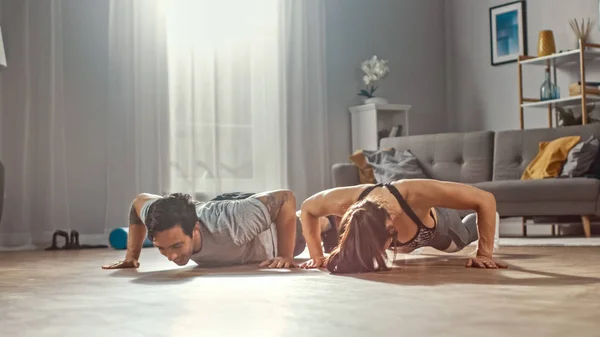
(512, 227)
(22, 241)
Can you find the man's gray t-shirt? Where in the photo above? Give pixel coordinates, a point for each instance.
(233, 231)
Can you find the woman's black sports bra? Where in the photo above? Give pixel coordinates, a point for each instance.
(424, 233)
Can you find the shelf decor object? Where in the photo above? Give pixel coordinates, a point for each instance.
(375, 70)
(546, 44)
(581, 30)
(549, 90)
(508, 32)
(586, 53)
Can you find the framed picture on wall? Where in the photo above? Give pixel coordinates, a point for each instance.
(508, 32)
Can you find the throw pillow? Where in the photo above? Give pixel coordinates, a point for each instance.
(400, 165)
(580, 158)
(365, 171)
(550, 158)
(594, 171)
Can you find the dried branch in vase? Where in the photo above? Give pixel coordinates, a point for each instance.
(581, 30)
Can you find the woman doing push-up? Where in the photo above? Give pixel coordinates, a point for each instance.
(403, 215)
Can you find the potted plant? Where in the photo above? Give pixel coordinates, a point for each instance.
(374, 69)
(567, 117)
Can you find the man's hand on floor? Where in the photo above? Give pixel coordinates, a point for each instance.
(123, 264)
(279, 262)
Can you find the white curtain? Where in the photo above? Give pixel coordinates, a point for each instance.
(33, 134)
(247, 95)
(83, 115)
(226, 108)
(305, 82)
(105, 99)
(137, 135)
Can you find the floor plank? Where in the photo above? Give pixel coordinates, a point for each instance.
(547, 291)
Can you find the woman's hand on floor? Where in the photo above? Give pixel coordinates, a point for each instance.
(123, 264)
(485, 262)
(317, 262)
(279, 262)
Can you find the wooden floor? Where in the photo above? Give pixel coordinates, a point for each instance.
(553, 291)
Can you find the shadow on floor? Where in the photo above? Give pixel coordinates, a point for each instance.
(425, 270)
(440, 270)
(187, 274)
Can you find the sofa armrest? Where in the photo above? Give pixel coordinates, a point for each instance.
(345, 174)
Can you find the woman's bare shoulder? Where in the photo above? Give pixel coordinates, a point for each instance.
(334, 201)
(346, 192)
(414, 184)
(411, 188)
(349, 189)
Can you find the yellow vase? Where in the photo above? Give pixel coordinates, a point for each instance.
(546, 45)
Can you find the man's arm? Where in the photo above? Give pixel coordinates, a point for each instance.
(137, 231)
(136, 235)
(281, 205)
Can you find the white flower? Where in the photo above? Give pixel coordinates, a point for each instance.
(375, 69)
(365, 68)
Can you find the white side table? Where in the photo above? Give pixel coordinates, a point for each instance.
(369, 119)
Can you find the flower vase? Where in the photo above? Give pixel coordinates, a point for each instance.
(376, 100)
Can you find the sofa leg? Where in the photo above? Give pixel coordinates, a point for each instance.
(524, 226)
(587, 227)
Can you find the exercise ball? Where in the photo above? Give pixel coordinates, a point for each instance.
(118, 238)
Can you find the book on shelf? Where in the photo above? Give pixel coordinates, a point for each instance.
(396, 131)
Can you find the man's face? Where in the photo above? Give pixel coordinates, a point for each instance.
(176, 245)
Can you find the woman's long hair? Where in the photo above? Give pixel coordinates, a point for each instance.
(362, 240)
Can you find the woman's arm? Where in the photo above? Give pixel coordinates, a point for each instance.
(329, 202)
(459, 196)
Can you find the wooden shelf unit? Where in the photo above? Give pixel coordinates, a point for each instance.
(587, 52)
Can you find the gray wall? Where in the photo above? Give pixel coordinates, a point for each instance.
(409, 33)
(483, 97)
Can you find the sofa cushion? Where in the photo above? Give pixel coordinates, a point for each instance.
(552, 189)
(550, 158)
(459, 157)
(514, 149)
(580, 158)
(399, 165)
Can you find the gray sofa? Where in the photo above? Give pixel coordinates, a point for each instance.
(495, 161)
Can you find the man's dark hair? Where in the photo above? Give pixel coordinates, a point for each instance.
(175, 209)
